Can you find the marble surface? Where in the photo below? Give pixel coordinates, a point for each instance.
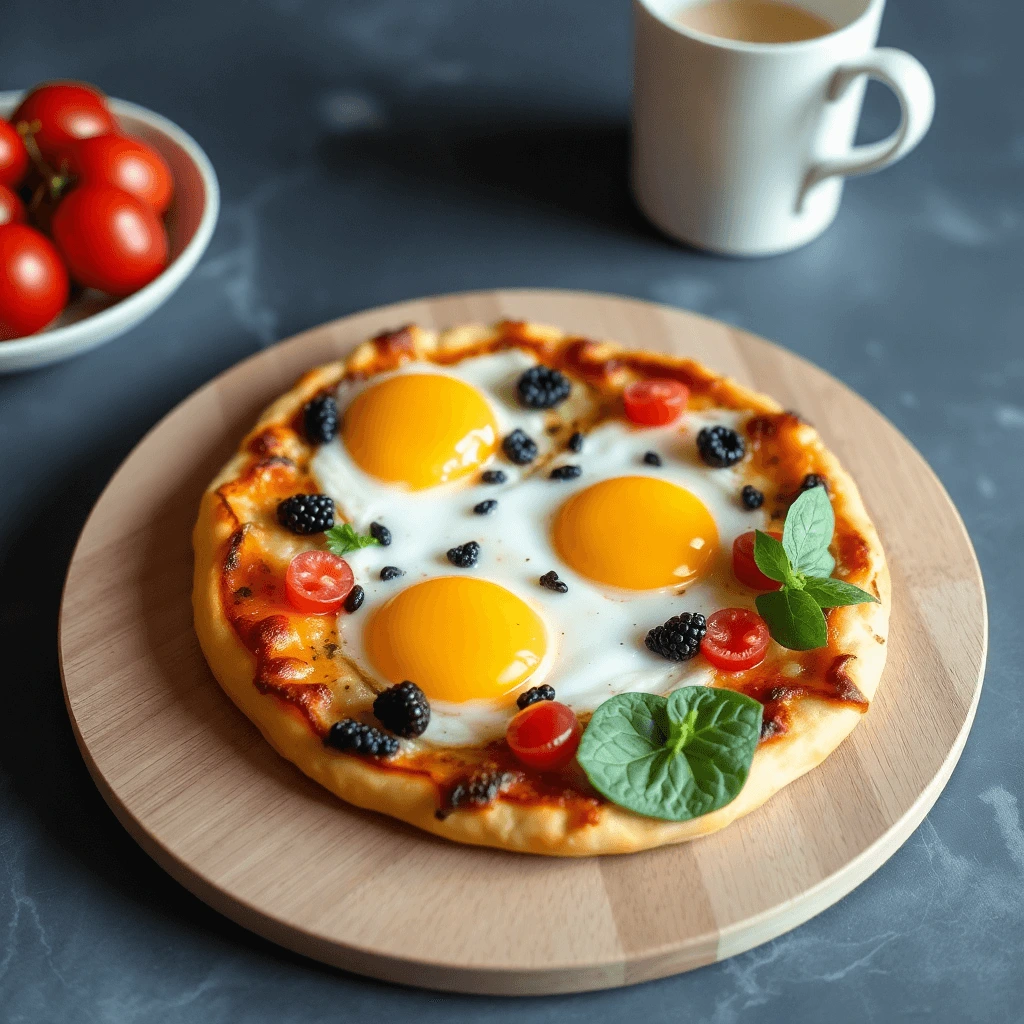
(374, 150)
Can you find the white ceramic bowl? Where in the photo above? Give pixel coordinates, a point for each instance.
(93, 319)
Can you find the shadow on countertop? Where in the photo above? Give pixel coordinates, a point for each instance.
(580, 167)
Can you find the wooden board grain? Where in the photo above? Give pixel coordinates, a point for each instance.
(197, 786)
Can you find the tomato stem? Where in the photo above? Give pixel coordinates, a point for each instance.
(56, 183)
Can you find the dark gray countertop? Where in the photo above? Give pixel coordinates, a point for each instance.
(374, 150)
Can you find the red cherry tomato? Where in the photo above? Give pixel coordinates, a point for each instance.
(544, 735)
(12, 209)
(33, 282)
(655, 403)
(737, 638)
(109, 239)
(13, 156)
(317, 581)
(66, 111)
(124, 163)
(745, 568)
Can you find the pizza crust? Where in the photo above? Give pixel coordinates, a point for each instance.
(816, 726)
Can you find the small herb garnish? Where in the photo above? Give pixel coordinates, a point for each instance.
(342, 539)
(802, 564)
(674, 757)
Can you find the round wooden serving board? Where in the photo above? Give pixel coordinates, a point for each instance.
(197, 786)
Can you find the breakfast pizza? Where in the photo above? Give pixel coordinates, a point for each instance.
(534, 591)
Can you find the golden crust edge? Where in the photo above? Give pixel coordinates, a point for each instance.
(817, 727)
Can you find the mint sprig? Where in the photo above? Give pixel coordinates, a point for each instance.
(802, 564)
(674, 757)
(343, 538)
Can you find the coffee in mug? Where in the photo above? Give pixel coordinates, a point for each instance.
(754, 21)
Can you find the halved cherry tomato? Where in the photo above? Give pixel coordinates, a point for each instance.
(13, 156)
(66, 111)
(737, 638)
(544, 735)
(317, 581)
(655, 403)
(125, 163)
(12, 209)
(33, 282)
(109, 239)
(745, 568)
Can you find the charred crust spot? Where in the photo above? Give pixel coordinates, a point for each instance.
(762, 428)
(272, 463)
(312, 699)
(517, 332)
(270, 633)
(266, 443)
(285, 670)
(232, 558)
(774, 723)
(843, 685)
(476, 791)
(879, 639)
(394, 344)
(583, 357)
(769, 426)
(241, 594)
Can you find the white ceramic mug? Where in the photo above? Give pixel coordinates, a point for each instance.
(742, 148)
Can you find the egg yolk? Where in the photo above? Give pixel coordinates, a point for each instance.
(636, 532)
(458, 638)
(419, 429)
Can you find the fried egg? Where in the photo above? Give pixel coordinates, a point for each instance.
(634, 543)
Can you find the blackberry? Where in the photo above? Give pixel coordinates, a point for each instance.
(306, 513)
(813, 480)
(751, 497)
(519, 448)
(652, 459)
(391, 572)
(535, 694)
(720, 447)
(485, 508)
(403, 709)
(679, 638)
(348, 734)
(355, 599)
(465, 555)
(575, 443)
(551, 581)
(542, 387)
(320, 420)
(381, 534)
(493, 476)
(565, 472)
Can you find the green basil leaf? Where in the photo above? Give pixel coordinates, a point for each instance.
(723, 737)
(771, 557)
(808, 531)
(342, 539)
(673, 758)
(794, 619)
(829, 593)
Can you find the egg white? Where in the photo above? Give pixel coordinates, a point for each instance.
(595, 633)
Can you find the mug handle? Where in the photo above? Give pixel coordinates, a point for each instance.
(907, 77)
